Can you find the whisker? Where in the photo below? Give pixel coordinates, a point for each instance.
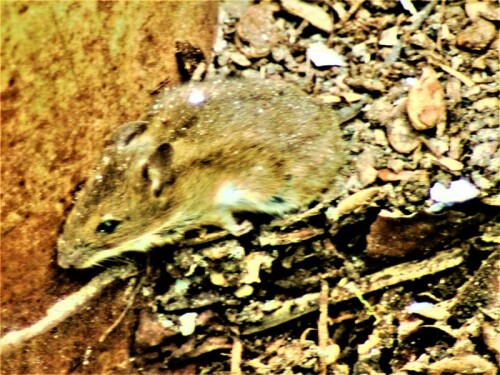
(123, 260)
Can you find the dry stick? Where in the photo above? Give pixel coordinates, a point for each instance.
(323, 326)
(130, 302)
(461, 76)
(388, 277)
(236, 354)
(354, 8)
(396, 50)
(65, 308)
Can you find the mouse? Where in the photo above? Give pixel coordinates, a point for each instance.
(203, 153)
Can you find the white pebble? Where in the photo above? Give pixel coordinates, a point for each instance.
(458, 191)
(321, 55)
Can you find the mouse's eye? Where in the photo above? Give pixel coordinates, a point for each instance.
(107, 226)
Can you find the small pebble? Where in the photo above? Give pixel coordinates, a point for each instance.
(477, 36)
(486, 104)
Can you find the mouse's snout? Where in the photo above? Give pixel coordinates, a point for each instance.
(62, 259)
(67, 255)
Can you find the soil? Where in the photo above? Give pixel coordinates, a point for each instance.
(390, 277)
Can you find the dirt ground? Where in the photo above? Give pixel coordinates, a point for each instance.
(395, 274)
(384, 279)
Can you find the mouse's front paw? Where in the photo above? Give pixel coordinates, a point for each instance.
(239, 229)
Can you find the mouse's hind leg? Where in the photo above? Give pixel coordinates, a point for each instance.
(230, 198)
(229, 223)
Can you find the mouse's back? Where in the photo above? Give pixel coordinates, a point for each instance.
(262, 110)
(242, 124)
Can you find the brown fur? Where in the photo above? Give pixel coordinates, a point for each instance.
(264, 143)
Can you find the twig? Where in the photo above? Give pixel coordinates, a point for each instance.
(236, 354)
(396, 50)
(65, 308)
(354, 8)
(128, 306)
(462, 77)
(388, 277)
(422, 16)
(323, 327)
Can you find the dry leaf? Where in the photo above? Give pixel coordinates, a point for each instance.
(355, 201)
(239, 59)
(389, 37)
(476, 9)
(365, 162)
(258, 28)
(352, 97)
(311, 13)
(401, 136)
(388, 175)
(426, 106)
(401, 236)
(450, 164)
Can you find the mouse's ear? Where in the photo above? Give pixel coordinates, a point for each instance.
(158, 168)
(124, 134)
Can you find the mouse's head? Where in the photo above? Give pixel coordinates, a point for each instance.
(121, 207)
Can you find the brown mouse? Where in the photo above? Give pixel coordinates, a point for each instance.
(204, 152)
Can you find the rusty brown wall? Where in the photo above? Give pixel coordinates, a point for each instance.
(70, 72)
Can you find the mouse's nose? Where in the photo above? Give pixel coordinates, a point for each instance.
(66, 255)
